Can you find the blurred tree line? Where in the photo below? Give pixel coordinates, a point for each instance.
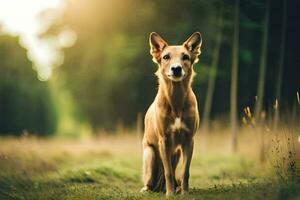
(110, 74)
(109, 70)
(25, 102)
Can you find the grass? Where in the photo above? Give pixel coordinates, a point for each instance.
(109, 167)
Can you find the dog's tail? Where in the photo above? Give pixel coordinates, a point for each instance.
(159, 183)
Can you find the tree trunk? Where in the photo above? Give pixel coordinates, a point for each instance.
(262, 66)
(281, 63)
(213, 74)
(234, 78)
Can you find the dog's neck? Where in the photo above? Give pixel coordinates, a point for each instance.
(174, 94)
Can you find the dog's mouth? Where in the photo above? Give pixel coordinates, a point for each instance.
(176, 77)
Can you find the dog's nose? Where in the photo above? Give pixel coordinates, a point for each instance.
(177, 71)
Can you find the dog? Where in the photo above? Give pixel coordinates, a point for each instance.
(172, 119)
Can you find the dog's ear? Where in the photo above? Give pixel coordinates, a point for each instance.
(193, 45)
(157, 45)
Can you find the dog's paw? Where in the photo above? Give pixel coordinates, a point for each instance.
(170, 194)
(178, 190)
(145, 189)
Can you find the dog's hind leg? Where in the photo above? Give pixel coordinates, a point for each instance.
(148, 168)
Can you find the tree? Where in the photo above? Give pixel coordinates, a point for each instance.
(280, 64)
(25, 102)
(213, 73)
(263, 64)
(234, 78)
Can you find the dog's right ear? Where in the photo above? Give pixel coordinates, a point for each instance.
(157, 45)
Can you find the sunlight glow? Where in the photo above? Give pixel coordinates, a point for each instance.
(23, 18)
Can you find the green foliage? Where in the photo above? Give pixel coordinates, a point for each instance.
(25, 102)
(246, 56)
(108, 77)
(109, 70)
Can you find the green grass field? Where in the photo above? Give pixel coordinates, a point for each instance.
(109, 167)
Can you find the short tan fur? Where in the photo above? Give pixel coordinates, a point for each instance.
(172, 119)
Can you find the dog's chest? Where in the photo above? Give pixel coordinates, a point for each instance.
(178, 125)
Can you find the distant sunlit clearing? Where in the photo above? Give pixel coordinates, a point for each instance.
(21, 18)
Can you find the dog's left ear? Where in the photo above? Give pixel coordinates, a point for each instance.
(193, 45)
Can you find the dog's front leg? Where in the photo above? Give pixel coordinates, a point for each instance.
(165, 150)
(187, 153)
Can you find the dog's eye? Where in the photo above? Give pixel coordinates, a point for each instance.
(166, 57)
(185, 57)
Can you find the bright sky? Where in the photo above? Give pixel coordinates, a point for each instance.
(20, 18)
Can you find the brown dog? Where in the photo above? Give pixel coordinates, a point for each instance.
(172, 119)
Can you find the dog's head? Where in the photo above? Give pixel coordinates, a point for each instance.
(175, 62)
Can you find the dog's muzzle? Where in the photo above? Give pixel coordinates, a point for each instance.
(176, 71)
